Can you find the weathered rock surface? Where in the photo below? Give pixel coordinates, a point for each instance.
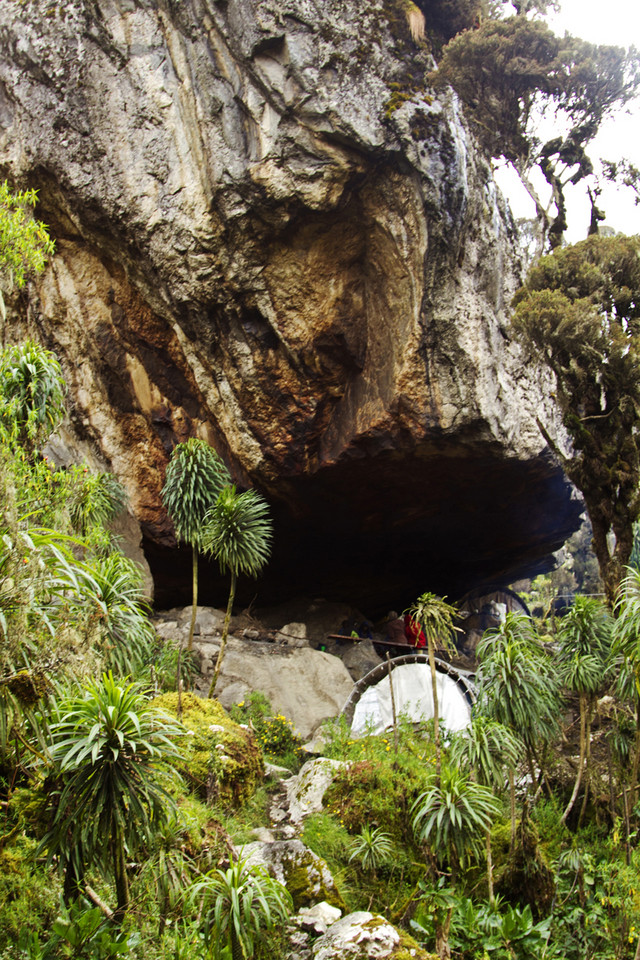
(363, 935)
(270, 236)
(305, 791)
(306, 876)
(305, 685)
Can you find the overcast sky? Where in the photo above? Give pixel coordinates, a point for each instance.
(614, 22)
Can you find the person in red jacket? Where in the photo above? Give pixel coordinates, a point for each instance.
(414, 632)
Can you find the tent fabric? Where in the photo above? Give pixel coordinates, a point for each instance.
(413, 699)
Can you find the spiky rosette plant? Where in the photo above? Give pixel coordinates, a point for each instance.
(236, 905)
(585, 647)
(452, 816)
(491, 751)
(94, 499)
(195, 476)
(238, 534)
(108, 745)
(32, 391)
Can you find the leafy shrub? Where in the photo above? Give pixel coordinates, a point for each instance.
(28, 892)
(220, 759)
(276, 734)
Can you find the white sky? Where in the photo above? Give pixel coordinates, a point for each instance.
(613, 22)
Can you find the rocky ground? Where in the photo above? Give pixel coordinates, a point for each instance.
(307, 676)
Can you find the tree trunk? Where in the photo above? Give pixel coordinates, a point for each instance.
(489, 867)
(576, 785)
(442, 936)
(120, 877)
(225, 632)
(194, 596)
(512, 801)
(611, 566)
(72, 887)
(587, 760)
(237, 953)
(436, 719)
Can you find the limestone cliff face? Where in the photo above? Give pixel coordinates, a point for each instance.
(269, 235)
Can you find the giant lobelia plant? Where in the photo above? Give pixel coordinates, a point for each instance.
(238, 533)
(195, 476)
(108, 747)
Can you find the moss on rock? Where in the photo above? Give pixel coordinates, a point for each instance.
(308, 880)
(220, 759)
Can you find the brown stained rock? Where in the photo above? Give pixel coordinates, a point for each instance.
(257, 244)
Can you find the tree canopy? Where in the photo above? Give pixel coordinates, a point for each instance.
(579, 313)
(537, 100)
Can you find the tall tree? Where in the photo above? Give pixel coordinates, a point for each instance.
(516, 78)
(195, 476)
(238, 533)
(579, 313)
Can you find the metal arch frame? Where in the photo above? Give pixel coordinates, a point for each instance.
(382, 670)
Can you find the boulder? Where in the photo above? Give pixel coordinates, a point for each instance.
(305, 875)
(305, 792)
(304, 685)
(319, 918)
(219, 758)
(360, 658)
(361, 936)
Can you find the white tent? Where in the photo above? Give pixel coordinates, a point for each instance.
(412, 692)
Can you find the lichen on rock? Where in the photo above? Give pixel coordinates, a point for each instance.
(363, 935)
(305, 875)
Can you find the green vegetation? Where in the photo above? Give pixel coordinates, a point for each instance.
(235, 905)
(508, 71)
(435, 616)
(117, 821)
(106, 745)
(578, 314)
(25, 243)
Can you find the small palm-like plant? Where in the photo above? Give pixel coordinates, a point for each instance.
(491, 751)
(517, 684)
(436, 617)
(372, 848)
(111, 588)
(195, 476)
(238, 533)
(453, 815)
(235, 905)
(33, 391)
(107, 746)
(585, 646)
(626, 645)
(94, 499)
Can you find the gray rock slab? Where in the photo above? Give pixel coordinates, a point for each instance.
(305, 792)
(305, 685)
